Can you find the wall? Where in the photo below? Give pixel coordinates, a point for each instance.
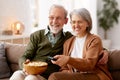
(15, 10)
(71, 4)
(113, 33)
(22, 10)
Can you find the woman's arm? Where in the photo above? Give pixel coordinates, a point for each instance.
(83, 64)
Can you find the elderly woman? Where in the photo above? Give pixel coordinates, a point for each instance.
(81, 52)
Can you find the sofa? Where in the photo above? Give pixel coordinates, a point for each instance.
(114, 64)
(14, 51)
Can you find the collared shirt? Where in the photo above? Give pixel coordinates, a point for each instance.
(53, 39)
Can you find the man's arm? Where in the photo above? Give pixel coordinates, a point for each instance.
(30, 50)
(104, 57)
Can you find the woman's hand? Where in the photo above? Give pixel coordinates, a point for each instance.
(61, 60)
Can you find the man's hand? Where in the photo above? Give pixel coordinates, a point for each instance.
(27, 61)
(104, 58)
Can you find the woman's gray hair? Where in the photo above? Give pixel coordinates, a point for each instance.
(84, 13)
(59, 6)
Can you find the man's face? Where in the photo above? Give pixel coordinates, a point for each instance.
(57, 20)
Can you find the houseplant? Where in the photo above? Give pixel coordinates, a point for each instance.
(108, 15)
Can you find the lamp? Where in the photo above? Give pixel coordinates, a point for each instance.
(18, 28)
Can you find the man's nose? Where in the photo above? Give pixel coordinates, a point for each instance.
(55, 20)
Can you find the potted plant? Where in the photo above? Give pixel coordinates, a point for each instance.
(108, 15)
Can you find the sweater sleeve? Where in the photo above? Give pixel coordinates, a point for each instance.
(30, 49)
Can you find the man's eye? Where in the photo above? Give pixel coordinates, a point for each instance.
(51, 18)
(58, 18)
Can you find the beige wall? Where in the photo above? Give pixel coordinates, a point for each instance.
(15, 10)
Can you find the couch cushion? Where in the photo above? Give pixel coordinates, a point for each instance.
(4, 68)
(115, 75)
(114, 60)
(13, 53)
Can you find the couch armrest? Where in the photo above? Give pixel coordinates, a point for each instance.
(113, 60)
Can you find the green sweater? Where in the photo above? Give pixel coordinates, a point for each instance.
(39, 48)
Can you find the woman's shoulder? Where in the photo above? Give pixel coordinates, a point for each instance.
(70, 40)
(93, 36)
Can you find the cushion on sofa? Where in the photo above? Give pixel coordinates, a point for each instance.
(4, 68)
(13, 53)
(114, 64)
(114, 60)
(115, 75)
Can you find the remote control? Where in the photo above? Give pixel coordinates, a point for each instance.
(52, 58)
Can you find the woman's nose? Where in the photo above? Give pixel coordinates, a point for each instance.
(76, 24)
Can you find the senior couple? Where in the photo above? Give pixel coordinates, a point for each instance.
(78, 57)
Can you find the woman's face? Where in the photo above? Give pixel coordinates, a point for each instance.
(79, 25)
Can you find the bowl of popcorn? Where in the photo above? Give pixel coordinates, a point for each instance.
(35, 67)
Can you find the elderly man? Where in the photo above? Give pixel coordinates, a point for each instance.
(44, 43)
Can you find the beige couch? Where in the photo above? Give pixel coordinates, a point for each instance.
(14, 51)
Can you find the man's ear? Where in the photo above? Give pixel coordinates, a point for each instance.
(66, 20)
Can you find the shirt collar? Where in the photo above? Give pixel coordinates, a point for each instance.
(47, 30)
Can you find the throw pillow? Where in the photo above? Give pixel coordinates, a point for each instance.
(4, 68)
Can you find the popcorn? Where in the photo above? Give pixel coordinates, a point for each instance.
(37, 63)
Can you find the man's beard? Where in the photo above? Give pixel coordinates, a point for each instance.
(55, 31)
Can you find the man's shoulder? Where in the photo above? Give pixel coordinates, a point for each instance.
(38, 32)
(68, 33)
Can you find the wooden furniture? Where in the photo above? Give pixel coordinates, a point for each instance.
(15, 39)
